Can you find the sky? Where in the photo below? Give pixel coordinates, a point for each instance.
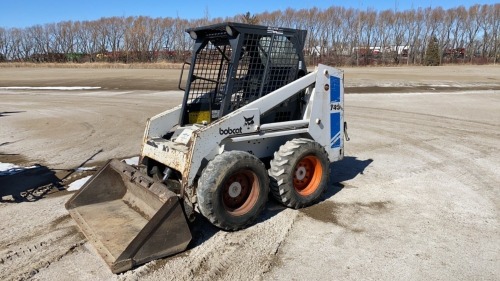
(25, 13)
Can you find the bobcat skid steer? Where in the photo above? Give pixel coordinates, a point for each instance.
(253, 123)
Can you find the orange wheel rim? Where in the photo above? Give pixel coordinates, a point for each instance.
(240, 192)
(307, 175)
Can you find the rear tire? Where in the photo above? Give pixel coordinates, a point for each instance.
(232, 190)
(299, 173)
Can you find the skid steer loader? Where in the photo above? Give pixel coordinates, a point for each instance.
(253, 122)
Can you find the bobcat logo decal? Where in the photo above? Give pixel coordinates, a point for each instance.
(249, 121)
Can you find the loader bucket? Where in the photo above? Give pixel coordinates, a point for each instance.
(129, 218)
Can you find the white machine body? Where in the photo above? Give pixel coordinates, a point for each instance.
(191, 146)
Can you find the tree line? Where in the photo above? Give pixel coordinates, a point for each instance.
(336, 36)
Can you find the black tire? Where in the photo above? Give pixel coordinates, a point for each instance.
(232, 190)
(299, 173)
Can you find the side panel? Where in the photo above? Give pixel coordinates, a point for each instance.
(335, 120)
(327, 109)
(160, 124)
(335, 113)
(261, 147)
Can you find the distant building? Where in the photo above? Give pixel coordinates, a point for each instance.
(401, 50)
(375, 50)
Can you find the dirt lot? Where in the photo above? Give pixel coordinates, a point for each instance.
(416, 197)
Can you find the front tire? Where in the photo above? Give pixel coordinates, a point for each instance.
(232, 190)
(299, 173)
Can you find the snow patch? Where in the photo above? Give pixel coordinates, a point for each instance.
(76, 185)
(7, 166)
(443, 85)
(7, 169)
(132, 161)
(83, 169)
(50, 88)
(473, 92)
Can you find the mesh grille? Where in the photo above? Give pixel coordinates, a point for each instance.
(282, 116)
(264, 63)
(267, 63)
(210, 74)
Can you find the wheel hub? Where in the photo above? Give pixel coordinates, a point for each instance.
(234, 189)
(300, 174)
(240, 192)
(307, 175)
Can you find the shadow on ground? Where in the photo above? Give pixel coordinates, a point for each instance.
(28, 184)
(7, 113)
(341, 171)
(36, 182)
(344, 170)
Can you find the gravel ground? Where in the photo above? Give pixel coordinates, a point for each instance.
(416, 197)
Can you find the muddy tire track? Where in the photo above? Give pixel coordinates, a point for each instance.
(241, 255)
(22, 257)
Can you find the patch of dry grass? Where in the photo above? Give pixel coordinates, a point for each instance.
(94, 65)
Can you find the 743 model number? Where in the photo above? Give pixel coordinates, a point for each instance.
(335, 106)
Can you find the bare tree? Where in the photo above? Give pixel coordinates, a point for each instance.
(472, 26)
(4, 46)
(336, 35)
(249, 18)
(116, 31)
